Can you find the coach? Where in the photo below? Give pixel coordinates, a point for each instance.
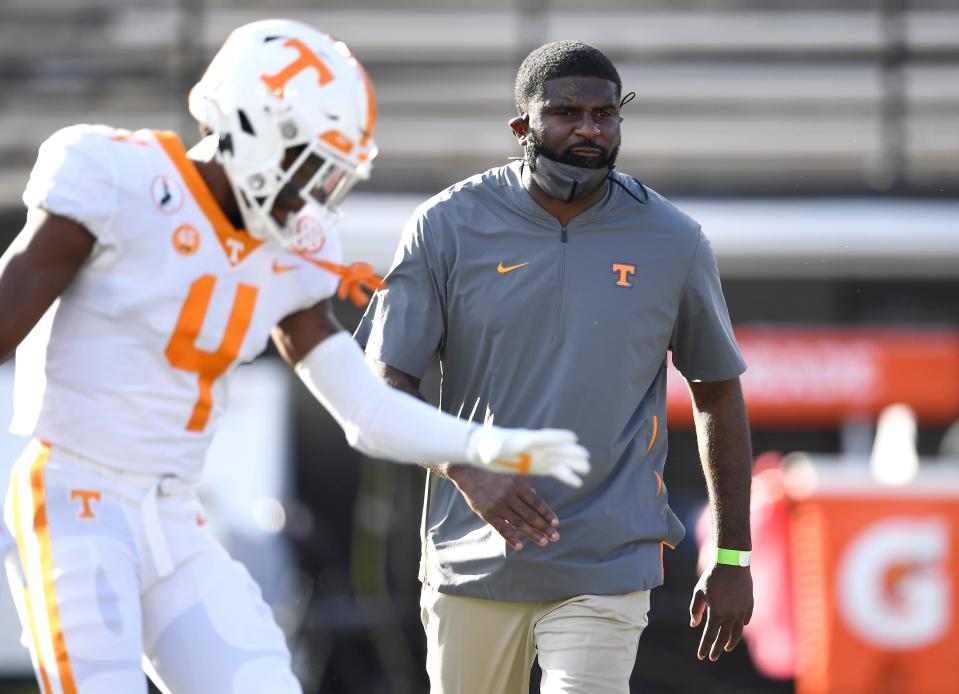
(552, 288)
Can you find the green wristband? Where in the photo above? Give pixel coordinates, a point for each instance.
(733, 557)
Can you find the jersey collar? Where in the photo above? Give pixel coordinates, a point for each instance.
(237, 244)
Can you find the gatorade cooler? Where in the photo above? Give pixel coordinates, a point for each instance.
(875, 571)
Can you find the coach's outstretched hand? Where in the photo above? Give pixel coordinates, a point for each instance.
(551, 452)
(725, 594)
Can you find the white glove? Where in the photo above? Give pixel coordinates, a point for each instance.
(529, 452)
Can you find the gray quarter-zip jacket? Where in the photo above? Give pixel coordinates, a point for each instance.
(538, 325)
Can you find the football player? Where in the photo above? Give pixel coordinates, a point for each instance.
(144, 275)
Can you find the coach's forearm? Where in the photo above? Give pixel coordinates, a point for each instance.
(722, 432)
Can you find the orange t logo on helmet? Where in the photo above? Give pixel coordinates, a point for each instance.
(306, 59)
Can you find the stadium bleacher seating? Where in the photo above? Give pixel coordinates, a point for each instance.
(733, 97)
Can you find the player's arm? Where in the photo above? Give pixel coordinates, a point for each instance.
(508, 503)
(385, 423)
(724, 592)
(37, 267)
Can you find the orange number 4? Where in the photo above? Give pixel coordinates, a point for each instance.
(182, 352)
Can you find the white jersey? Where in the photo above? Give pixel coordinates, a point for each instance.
(130, 365)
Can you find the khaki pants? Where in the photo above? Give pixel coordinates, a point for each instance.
(586, 644)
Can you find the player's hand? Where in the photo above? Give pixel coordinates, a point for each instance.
(358, 283)
(529, 452)
(508, 503)
(725, 595)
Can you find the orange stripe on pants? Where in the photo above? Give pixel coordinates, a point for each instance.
(21, 546)
(42, 531)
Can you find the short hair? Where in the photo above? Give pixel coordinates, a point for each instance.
(560, 59)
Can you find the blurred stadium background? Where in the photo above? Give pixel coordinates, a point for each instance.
(818, 144)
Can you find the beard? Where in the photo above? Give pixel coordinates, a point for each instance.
(605, 159)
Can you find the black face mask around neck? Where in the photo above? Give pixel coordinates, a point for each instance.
(560, 180)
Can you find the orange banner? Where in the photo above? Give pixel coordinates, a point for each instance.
(822, 377)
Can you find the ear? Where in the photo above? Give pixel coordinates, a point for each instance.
(519, 126)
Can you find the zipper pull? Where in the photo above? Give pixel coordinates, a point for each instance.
(563, 237)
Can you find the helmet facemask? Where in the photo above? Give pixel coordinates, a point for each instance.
(298, 199)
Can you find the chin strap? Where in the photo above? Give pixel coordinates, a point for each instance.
(358, 281)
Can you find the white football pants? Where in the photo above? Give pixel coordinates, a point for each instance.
(114, 573)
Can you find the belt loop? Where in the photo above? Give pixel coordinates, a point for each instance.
(154, 534)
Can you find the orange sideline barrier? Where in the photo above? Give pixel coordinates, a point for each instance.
(820, 377)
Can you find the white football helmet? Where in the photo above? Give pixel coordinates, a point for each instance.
(275, 85)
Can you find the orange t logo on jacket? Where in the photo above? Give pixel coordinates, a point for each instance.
(625, 272)
(306, 59)
(86, 496)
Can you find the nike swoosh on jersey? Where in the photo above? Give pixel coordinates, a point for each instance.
(501, 269)
(278, 268)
